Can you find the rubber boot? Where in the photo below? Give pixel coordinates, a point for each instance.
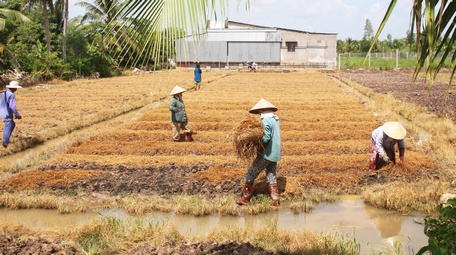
(246, 194)
(274, 194)
(188, 137)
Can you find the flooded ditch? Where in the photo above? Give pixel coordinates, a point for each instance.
(374, 229)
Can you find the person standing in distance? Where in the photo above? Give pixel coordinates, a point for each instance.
(8, 111)
(197, 76)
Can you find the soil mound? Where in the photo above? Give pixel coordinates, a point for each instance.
(200, 248)
(16, 246)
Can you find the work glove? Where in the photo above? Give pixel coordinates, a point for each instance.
(386, 159)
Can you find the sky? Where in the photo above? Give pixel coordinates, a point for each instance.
(346, 18)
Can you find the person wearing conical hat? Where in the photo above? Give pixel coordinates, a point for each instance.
(179, 117)
(268, 158)
(8, 111)
(384, 139)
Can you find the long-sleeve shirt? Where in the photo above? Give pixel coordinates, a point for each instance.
(8, 105)
(271, 139)
(180, 115)
(382, 141)
(197, 74)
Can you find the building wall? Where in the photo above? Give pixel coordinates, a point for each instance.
(231, 46)
(222, 46)
(312, 48)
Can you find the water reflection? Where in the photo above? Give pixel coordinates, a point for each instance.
(374, 229)
(387, 224)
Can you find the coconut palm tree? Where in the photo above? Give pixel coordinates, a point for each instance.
(66, 13)
(434, 24)
(102, 22)
(12, 15)
(44, 4)
(153, 24)
(7, 14)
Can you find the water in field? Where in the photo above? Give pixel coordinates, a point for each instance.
(373, 229)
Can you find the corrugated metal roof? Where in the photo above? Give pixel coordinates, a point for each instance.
(287, 29)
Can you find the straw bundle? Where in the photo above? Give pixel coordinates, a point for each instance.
(246, 138)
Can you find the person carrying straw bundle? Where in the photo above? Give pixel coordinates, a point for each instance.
(268, 153)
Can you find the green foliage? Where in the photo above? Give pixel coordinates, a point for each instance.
(368, 31)
(11, 4)
(441, 231)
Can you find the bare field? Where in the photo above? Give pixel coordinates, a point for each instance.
(325, 132)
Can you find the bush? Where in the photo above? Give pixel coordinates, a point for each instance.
(441, 231)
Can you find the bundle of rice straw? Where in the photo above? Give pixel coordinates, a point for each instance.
(246, 138)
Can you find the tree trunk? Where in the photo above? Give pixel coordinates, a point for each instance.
(65, 25)
(46, 24)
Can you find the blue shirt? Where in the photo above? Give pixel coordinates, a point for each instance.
(197, 72)
(271, 139)
(8, 105)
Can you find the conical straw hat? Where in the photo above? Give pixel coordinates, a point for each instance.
(177, 90)
(394, 130)
(262, 104)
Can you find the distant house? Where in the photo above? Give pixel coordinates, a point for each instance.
(231, 44)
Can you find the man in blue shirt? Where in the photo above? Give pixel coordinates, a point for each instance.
(8, 111)
(197, 76)
(384, 138)
(268, 158)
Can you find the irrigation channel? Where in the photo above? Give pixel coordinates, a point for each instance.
(374, 229)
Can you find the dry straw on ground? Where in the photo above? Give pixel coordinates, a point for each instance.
(246, 138)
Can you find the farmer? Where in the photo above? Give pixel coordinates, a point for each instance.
(8, 111)
(384, 138)
(268, 158)
(179, 117)
(249, 65)
(254, 67)
(197, 76)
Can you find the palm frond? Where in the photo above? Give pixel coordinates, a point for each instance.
(156, 24)
(435, 23)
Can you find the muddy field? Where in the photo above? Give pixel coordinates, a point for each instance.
(325, 140)
(17, 246)
(439, 98)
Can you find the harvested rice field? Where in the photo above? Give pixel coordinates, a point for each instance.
(325, 142)
(326, 125)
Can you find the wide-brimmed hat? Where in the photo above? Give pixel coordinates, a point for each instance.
(177, 90)
(394, 130)
(13, 85)
(262, 104)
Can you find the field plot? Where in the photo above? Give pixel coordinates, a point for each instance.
(439, 98)
(325, 141)
(50, 110)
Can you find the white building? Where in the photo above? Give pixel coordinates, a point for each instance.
(230, 44)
